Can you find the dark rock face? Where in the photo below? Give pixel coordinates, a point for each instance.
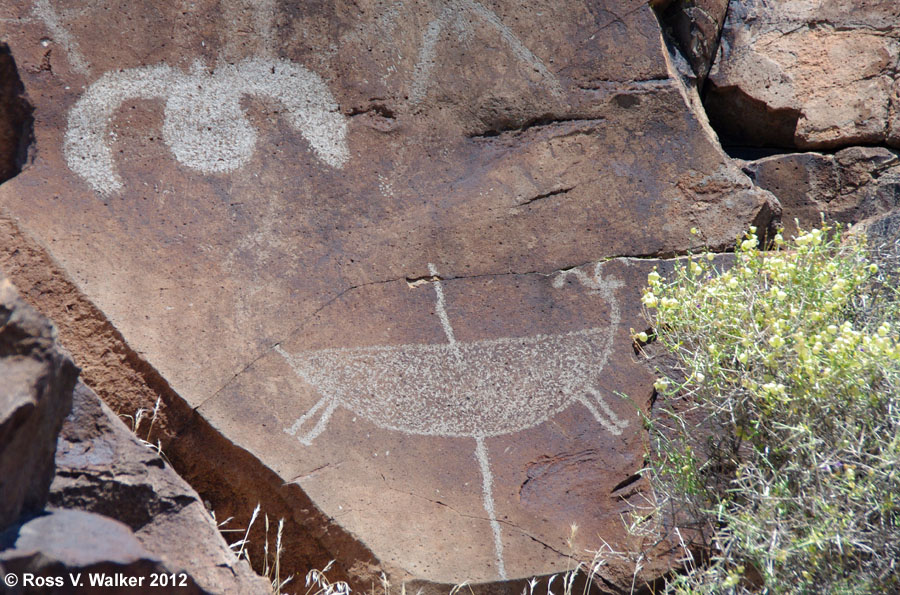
(807, 74)
(36, 381)
(15, 118)
(101, 467)
(695, 26)
(362, 241)
(73, 546)
(883, 235)
(884, 230)
(851, 185)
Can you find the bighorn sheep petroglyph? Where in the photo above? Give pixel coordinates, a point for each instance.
(476, 389)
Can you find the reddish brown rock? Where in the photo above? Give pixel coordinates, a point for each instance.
(531, 432)
(101, 467)
(362, 212)
(807, 74)
(848, 186)
(36, 381)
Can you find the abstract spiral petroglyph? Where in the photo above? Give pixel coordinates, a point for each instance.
(465, 389)
(204, 124)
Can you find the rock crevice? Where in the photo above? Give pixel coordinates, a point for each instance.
(16, 118)
(809, 76)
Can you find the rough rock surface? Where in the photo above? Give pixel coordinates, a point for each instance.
(808, 74)
(695, 25)
(36, 381)
(232, 480)
(883, 234)
(848, 186)
(347, 232)
(883, 230)
(103, 468)
(73, 546)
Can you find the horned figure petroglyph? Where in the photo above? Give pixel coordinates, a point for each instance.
(456, 14)
(476, 389)
(204, 124)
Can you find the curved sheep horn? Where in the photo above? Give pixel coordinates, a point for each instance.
(85, 145)
(311, 108)
(204, 124)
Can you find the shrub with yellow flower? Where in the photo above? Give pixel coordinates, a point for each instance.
(792, 359)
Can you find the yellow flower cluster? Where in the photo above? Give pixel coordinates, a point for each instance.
(775, 310)
(791, 350)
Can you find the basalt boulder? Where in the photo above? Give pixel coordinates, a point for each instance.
(382, 251)
(36, 381)
(848, 186)
(809, 74)
(73, 551)
(695, 26)
(102, 467)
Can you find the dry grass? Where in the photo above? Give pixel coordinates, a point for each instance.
(271, 565)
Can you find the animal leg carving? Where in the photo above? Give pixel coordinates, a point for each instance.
(307, 439)
(608, 418)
